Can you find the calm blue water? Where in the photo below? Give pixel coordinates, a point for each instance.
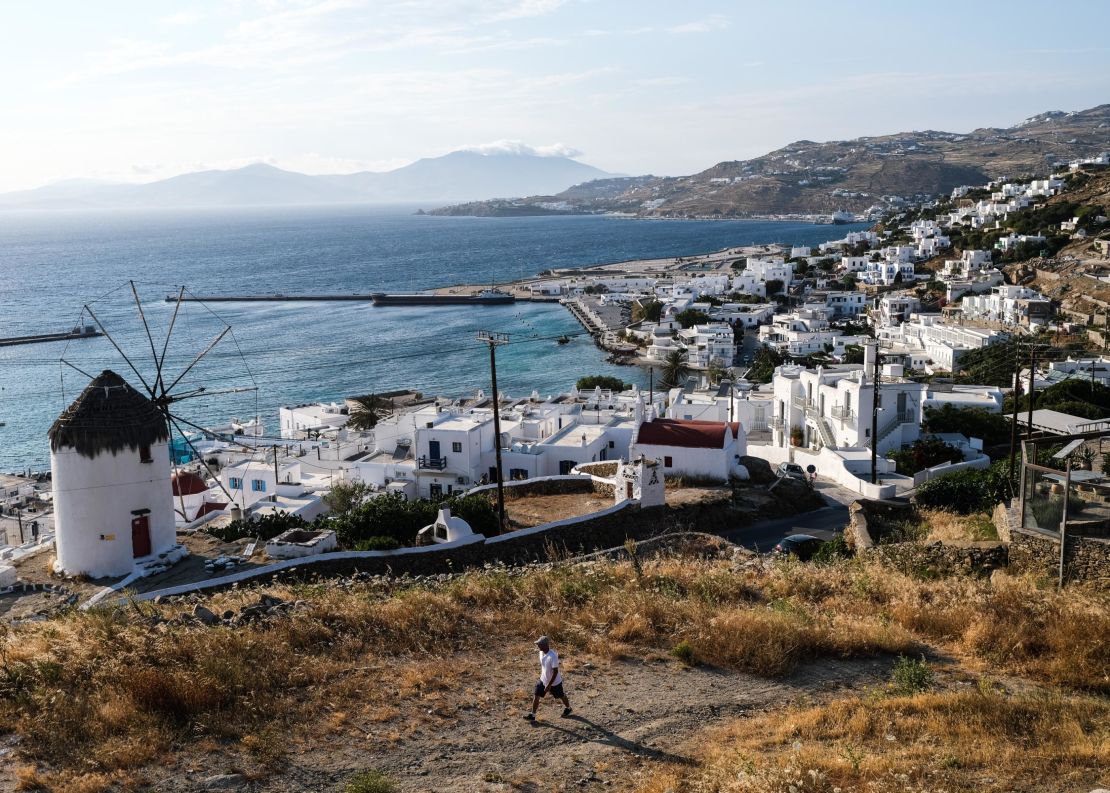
(54, 263)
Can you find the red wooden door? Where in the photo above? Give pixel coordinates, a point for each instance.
(140, 536)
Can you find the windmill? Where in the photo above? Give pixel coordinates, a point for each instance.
(166, 385)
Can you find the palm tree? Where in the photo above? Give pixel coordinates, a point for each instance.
(366, 412)
(675, 369)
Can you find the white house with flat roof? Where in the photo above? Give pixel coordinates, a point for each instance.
(301, 421)
(831, 406)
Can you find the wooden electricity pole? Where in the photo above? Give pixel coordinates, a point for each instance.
(494, 340)
(1013, 418)
(875, 397)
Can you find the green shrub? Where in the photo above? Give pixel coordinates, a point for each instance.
(684, 652)
(691, 317)
(832, 550)
(377, 544)
(967, 491)
(924, 453)
(370, 782)
(911, 676)
(392, 515)
(590, 382)
(264, 527)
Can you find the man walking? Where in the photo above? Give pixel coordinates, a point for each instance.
(551, 679)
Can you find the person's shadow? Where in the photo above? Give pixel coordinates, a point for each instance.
(596, 733)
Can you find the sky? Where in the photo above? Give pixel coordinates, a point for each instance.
(136, 90)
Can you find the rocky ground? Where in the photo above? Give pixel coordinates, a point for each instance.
(467, 733)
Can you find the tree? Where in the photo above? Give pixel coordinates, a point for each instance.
(367, 411)
(992, 428)
(691, 317)
(607, 383)
(767, 359)
(676, 369)
(649, 312)
(853, 353)
(345, 496)
(1077, 396)
(773, 286)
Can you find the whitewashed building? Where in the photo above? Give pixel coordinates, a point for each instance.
(110, 462)
(831, 406)
(693, 448)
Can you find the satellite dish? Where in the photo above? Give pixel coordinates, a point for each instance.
(811, 469)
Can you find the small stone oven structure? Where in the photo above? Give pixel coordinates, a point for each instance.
(447, 528)
(295, 543)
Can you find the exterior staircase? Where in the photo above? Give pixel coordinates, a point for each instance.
(897, 420)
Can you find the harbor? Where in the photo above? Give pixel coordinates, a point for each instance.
(86, 332)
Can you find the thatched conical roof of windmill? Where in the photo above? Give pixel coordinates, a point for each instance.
(108, 416)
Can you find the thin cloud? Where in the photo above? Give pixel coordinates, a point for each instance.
(707, 25)
(519, 147)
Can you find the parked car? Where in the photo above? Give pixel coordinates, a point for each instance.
(802, 546)
(791, 470)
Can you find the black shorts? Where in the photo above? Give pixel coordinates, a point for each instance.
(556, 690)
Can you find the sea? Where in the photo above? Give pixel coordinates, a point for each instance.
(241, 360)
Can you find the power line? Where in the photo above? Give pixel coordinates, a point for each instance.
(338, 364)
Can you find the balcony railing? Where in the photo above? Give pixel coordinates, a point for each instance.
(800, 402)
(776, 422)
(843, 413)
(431, 463)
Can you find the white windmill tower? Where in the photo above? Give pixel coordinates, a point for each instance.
(111, 462)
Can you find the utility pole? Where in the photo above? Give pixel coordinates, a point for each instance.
(1032, 388)
(494, 340)
(1013, 418)
(875, 397)
(651, 385)
(277, 479)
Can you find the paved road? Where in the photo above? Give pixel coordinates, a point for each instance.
(823, 523)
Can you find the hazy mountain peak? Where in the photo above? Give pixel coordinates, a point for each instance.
(496, 171)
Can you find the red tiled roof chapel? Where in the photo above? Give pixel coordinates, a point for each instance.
(686, 433)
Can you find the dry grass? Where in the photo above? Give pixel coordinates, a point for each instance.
(949, 527)
(99, 693)
(952, 741)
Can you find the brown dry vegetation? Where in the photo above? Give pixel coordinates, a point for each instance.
(96, 696)
(978, 740)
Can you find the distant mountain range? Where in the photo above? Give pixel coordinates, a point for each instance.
(820, 178)
(458, 176)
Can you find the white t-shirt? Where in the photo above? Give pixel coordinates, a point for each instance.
(549, 662)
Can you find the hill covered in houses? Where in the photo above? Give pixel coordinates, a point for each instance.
(858, 176)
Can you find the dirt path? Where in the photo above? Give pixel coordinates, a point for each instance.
(473, 737)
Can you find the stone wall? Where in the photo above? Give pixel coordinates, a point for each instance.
(869, 533)
(548, 486)
(929, 559)
(1087, 558)
(606, 470)
(557, 541)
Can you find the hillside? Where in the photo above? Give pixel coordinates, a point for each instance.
(457, 176)
(853, 175)
(700, 669)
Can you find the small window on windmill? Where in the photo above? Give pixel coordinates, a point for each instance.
(144, 454)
